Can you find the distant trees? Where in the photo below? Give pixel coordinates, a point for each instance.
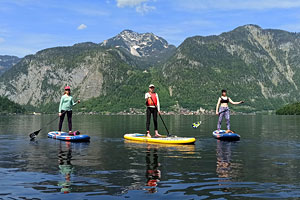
(289, 109)
(7, 106)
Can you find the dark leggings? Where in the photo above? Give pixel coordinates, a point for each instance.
(62, 117)
(152, 111)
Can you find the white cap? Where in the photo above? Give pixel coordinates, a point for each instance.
(151, 85)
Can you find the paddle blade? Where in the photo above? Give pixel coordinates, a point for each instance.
(34, 134)
(196, 125)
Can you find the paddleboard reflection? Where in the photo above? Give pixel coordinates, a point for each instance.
(155, 154)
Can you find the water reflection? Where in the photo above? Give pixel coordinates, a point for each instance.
(226, 169)
(153, 174)
(65, 166)
(183, 150)
(264, 164)
(156, 157)
(223, 159)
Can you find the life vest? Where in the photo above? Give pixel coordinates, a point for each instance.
(154, 98)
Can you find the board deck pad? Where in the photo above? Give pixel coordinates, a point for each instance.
(163, 140)
(222, 135)
(66, 137)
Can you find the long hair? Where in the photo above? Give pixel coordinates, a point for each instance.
(65, 92)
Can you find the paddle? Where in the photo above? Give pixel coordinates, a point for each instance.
(35, 133)
(197, 124)
(168, 135)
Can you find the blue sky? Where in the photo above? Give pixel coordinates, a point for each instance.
(27, 26)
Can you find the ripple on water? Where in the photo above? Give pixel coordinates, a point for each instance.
(264, 164)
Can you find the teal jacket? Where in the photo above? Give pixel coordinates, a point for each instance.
(66, 103)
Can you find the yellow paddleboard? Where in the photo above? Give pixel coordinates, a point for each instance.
(162, 140)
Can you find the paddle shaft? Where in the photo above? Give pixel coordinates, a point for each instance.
(53, 120)
(37, 132)
(218, 114)
(161, 117)
(212, 116)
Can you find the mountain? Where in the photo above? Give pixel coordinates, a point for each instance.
(7, 106)
(259, 66)
(145, 47)
(7, 62)
(95, 72)
(90, 71)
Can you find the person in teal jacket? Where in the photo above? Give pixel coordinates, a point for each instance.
(65, 107)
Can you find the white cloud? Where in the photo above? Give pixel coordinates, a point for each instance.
(81, 27)
(144, 8)
(237, 4)
(141, 6)
(131, 3)
(2, 40)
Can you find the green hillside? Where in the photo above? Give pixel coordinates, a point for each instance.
(249, 62)
(259, 66)
(7, 106)
(289, 109)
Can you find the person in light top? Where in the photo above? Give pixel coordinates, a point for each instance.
(65, 107)
(222, 110)
(153, 107)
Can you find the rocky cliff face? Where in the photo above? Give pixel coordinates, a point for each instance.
(6, 62)
(260, 66)
(92, 70)
(145, 47)
(40, 78)
(256, 65)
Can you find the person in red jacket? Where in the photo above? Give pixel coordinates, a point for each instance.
(153, 107)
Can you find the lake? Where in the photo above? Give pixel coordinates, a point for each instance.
(265, 163)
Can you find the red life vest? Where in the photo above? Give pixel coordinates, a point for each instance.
(154, 98)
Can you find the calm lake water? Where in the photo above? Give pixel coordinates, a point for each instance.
(264, 164)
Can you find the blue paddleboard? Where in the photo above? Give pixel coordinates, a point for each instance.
(222, 135)
(65, 136)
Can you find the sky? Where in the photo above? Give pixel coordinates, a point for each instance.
(27, 26)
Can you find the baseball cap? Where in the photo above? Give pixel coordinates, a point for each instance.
(67, 87)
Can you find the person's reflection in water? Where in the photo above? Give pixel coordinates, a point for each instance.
(226, 169)
(223, 159)
(65, 166)
(223, 163)
(153, 174)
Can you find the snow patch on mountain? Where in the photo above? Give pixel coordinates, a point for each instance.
(139, 44)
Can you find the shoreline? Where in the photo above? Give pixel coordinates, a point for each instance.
(138, 113)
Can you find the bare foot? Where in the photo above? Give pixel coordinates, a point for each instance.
(157, 134)
(148, 135)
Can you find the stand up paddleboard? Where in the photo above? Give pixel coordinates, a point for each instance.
(162, 140)
(66, 137)
(222, 135)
